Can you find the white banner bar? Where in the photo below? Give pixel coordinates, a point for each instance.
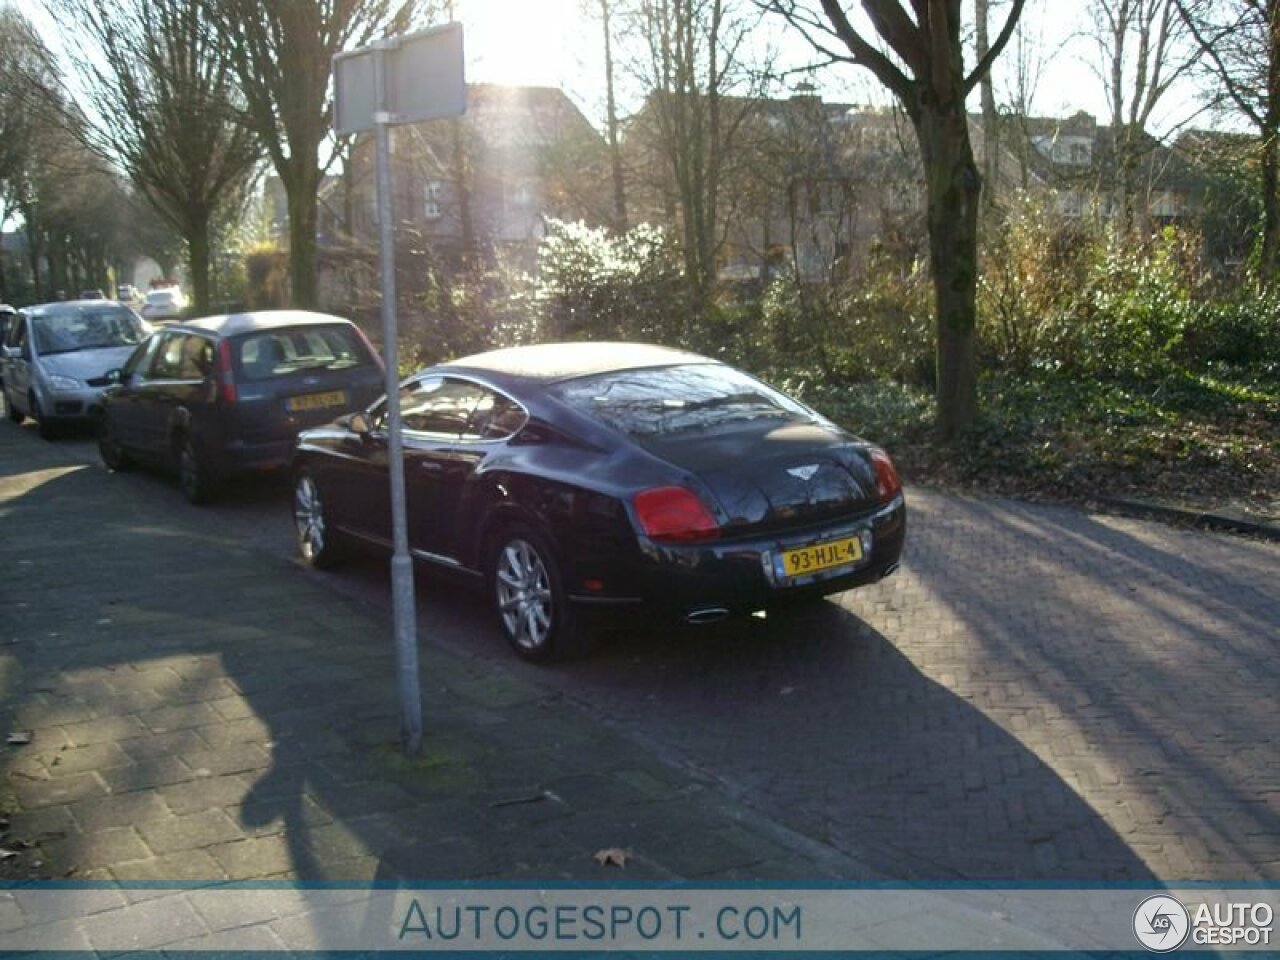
(740, 919)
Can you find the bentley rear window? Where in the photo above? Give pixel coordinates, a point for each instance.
(660, 400)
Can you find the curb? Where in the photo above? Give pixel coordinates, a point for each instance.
(1195, 518)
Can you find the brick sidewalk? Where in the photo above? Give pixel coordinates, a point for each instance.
(202, 711)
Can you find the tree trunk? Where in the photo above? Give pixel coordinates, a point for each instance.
(953, 193)
(462, 185)
(1269, 261)
(198, 264)
(990, 123)
(33, 258)
(301, 193)
(611, 111)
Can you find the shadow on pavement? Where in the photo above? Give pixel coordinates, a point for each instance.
(204, 711)
(1138, 659)
(825, 720)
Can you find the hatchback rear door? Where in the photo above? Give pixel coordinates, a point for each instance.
(296, 377)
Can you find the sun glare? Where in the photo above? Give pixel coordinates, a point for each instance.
(524, 42)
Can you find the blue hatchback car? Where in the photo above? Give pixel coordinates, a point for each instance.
(228, 394)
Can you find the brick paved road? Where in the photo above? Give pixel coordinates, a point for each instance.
(1040, 693)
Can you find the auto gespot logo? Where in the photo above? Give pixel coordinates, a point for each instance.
(1162, 924)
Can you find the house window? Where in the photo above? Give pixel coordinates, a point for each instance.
(431, 199)
(1164, 204)
(522, 195)
(1071, 151)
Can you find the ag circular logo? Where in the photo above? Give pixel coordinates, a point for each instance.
(1161, 923)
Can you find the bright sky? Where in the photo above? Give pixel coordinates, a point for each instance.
(557, 43)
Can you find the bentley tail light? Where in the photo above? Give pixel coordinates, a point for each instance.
(674, 515)
(888, 483)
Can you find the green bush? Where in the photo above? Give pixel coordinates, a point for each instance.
(880, 328)
(1035, 268)
(1078, 297)
(266, 278)
(474, 309)
(1244, 330)
(594, 285)
(1138, 305)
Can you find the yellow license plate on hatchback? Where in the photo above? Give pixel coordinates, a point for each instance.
(821, 556)
(318, 401)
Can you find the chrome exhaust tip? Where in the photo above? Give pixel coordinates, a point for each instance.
(704, 615)
(890, 570)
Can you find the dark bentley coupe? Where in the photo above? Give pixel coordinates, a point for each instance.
(574, 479)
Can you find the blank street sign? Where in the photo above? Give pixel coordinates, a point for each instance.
(425, 80)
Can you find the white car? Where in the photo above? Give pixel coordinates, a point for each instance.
(56, 357)
(166, 304)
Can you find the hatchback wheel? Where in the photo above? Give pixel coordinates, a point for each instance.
(46, 429)
(109, 448)
(530, 600)
(318, 542)
(194, 478)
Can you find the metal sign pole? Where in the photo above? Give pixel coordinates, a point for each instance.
(402, 598)
(406, 79)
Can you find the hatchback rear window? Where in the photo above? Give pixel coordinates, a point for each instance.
(661, 400)
(280, 353)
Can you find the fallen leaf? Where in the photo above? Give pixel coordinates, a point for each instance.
(612, 857)
(18, 738)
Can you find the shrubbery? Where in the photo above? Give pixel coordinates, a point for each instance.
(597, 286)
(880, 329)
(1057, 297)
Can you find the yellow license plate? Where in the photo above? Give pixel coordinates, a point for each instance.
(318, 401)
(821, 556)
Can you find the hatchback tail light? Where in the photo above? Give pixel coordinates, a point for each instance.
(368, 345)
(888, 483)
(226, 374)
(674, 515)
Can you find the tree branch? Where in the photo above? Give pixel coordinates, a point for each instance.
(983, 65)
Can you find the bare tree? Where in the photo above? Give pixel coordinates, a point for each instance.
(990, 120)
(281, 51)
(1143, 49)
(924, 69)
(612, 125)
(1240, 40)
(701, 85)
(161, 93)
(1030, 57)
(29, 84)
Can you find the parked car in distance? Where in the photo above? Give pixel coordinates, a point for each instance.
(228, 394)
(7, 313)
(576, 479)
(163, 305)
(94, 294)
(56, 357)
(126, 293)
